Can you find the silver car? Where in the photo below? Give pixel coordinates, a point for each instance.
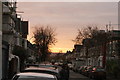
(44, 70)
(33, 76)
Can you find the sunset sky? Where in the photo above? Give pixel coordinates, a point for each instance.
(67, 17)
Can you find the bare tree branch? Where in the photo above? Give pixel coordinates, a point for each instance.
(43, 38)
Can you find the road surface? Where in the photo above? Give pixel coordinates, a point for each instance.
(77, 76)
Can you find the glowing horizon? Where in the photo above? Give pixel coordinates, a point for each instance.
(60, 50)
(55, 49)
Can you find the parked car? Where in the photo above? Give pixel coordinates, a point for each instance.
(88, 70)
(32, 65)
(80, 69)
(51, 67)
(98, 73)
(83, 70)
(43, 70)
(48, 66)
(34, 76)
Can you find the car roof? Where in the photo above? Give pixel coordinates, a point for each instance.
(32, 74)
(42, 65)
(41, 70)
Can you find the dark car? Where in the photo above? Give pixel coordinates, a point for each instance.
(32, 65)
(98, 73)
(83, 70)
(80, 69)
(48, 66)
(88, 70)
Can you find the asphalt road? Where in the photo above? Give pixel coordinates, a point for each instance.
(77, 76)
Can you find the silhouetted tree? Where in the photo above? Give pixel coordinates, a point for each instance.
(43, 38)
(84, 34)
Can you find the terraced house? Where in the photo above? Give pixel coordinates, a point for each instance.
(13, 38)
